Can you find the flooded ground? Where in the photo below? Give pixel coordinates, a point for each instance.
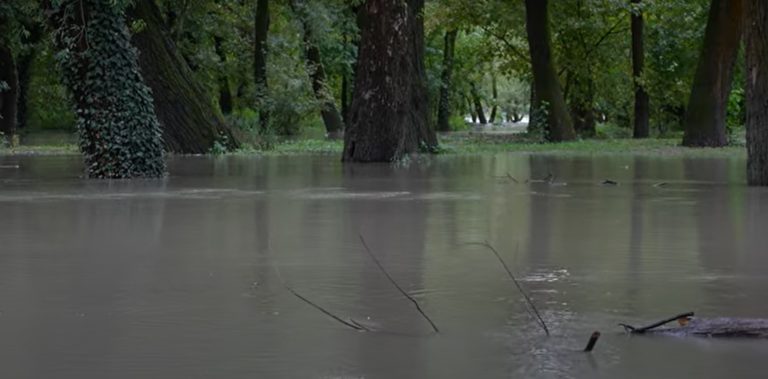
(179, 278)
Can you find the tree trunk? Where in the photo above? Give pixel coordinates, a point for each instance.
(534, 123)
(388, 115)
(706, 115)
(756, 42)
(582, 108)
(548, 90)
(261, 30)
(642, 108)
(495, 105)
(344, 98)
(225, 95)
(9, 92)
(118, 129)
(24, 63)
(331, 117)
(444, 102)
(477, 103)
(191, 123)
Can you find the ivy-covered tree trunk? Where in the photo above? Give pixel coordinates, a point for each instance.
(706, 115)
(756, 42)
(444, 102)
(549, 94)
(190, 121)
(9, 93)
(261, 30)
(642, 109)
(388, 115)
(119, 132)
(331, 117)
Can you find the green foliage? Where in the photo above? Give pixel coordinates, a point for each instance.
(119, 132)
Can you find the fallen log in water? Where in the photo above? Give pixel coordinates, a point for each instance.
(722, 327)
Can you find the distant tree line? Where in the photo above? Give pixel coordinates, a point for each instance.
(146, 77)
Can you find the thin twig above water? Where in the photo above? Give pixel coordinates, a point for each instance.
(394, 283)
(533, 311)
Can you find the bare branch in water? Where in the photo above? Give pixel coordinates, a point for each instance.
(533, 311)
(391, 280)
(354, 326)
(592, 341)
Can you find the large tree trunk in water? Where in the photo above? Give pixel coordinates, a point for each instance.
(331, 117)
(389, 111)
(225, 95)
(191, 123)
(444, 103)
(9, 92)
(548, 90)
(260, 61)
(642, 108)
(477, 103)
(706, 114)
(756, 42)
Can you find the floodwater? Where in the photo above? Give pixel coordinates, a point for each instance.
(186, 277)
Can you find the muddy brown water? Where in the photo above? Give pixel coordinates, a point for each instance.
(176, 278)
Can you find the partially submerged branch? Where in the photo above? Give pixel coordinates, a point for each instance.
(354, 325)
(391, 280)
(533, 311)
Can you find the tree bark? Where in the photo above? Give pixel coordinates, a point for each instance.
(389, 111)
(444, 102)
(331, 117)
(8, 93)
(261, 30)
(191, 123)
(225, 94)
(706, 114)
(756, 42)
(548, 90)
(642, 108)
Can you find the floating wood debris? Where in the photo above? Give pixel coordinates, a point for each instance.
(592, 341)
(734, 327)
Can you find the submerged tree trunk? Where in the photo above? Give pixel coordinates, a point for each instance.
(119, 132)
(9, 92)
(477, 103)
(444, 103)
(225, 94)
(260, 61)
(706, 115)
(756, 42)
(642, 108)
(331, 117)
(548, 90)
(388, 116)
(191, 123)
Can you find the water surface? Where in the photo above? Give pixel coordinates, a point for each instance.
(185, 277)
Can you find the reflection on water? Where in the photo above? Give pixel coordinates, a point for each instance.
(176, 278)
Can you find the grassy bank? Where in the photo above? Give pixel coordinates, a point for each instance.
(459, 143)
